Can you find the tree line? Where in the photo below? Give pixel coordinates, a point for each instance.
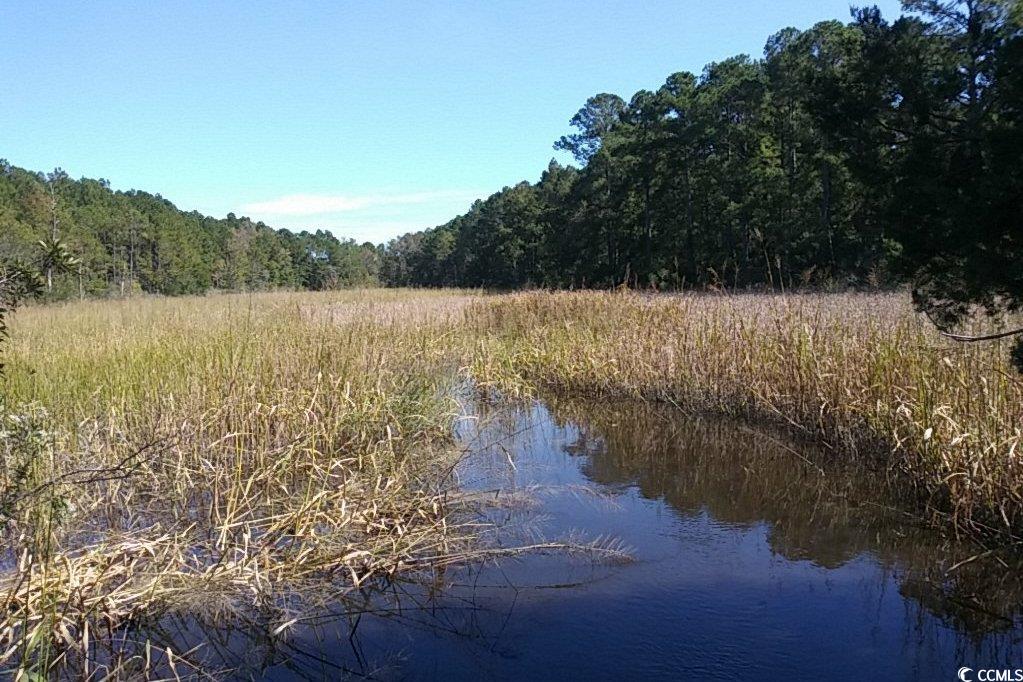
(84, 239)
(859, 154)
(865, 153)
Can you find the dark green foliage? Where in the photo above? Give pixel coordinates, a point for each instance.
(1016, 354)
(727, 178)
(17, 281)
(857, 154)
(86, 239)
(949, 117)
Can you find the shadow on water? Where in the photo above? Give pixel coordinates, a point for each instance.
(753, 558)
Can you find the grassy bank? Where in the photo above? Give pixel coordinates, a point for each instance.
(861, 373)
(214, 456)
(252, 456)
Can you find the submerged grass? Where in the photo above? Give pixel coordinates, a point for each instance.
(213, 455)
(860, 373)
(222, 458)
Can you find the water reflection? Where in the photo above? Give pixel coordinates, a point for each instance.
(755, 558)
(814, 508)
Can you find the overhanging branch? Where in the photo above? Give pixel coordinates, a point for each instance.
(965, 338)
(987, 337)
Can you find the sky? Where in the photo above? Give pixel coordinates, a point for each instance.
(369, 119)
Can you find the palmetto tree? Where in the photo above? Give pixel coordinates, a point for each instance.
(56, 257)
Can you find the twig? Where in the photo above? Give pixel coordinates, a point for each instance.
(962, 338)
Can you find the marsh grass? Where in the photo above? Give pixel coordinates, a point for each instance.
(861, 374)
(215, 456)
(256, 458)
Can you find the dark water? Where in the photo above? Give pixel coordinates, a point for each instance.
(747, 563)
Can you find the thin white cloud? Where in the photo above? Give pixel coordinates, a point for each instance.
(377, 217)
(325, 204)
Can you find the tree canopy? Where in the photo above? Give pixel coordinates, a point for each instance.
(853, 154)
(864, 153)
(86, 239)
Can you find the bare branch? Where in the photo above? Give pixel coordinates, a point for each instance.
(965, 338)
(962, 338)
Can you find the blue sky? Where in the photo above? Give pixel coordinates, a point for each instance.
(370, 119)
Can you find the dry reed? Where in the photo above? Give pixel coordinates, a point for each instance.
(215, 455)
(218, 456)
(861, 373)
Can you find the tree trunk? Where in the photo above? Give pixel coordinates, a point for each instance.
(826, 209)
(648, 228)
(690, 229)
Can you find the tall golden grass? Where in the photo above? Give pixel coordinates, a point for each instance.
(214, 455)
(862, 374)
(211, 456)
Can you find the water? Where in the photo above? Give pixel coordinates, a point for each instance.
(751, 558)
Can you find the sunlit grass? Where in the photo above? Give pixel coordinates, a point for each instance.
(216, 455)
(862, 373)
(217, 452)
